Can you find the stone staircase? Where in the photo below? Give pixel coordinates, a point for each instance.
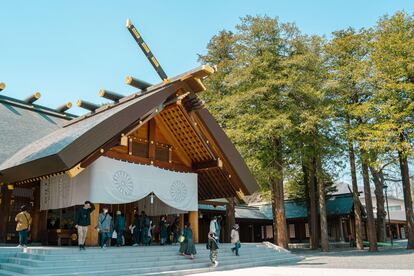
(154, 260)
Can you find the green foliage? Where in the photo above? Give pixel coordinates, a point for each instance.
(273, 82)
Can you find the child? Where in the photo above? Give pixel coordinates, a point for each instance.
(235, 239)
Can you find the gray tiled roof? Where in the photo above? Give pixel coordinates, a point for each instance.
(57, 140)
(20, 126)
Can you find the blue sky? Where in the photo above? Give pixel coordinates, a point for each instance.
(70, 49)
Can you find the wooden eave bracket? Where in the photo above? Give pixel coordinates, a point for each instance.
(75, 170)
(211, 164)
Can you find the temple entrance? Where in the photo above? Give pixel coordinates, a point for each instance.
(61, 222)
(12, 198)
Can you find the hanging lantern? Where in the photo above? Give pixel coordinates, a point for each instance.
(152, 198)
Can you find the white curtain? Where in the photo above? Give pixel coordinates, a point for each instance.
(111, 181)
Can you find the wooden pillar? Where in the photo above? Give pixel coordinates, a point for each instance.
(193, 218)
(5, 211)
(351, 227)
(43, 231)
(151, 139)
(398, 231)
(36, 215)
(230, 218)
(341, 230)
(92, 237)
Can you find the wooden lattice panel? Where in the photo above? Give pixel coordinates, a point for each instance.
(181, 128)
(213, 183)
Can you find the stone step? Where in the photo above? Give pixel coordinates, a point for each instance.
(154, 260)
(129, 259)
(92, 266)
(67, 250)
(192, 266)
(109, 252)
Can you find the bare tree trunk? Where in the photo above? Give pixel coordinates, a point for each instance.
(355, 197)
(408, 202)
(279, 218)
(230, 218)
(322, 205)
(313, 215)
(372, 236)
(379, 195)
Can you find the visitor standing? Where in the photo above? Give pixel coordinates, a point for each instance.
(212, 245)
(145, 228)
(187, 247)
(104, 227)
(218, 228)
(119, 227)
(82, 221)
(163, 230)
(235, 239)
(24, 220)
(175, 230)
(136, 230)
(215, 228)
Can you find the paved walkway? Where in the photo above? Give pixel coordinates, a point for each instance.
(389, 261)
(303, 271)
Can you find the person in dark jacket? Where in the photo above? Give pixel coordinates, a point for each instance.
(187, 247)
(119, 227)
(82, 221)
(163, 230)
(145, 226)
(136, 231)
(175, 231)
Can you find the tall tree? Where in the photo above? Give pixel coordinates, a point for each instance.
(312, 125)
(254, 109)
(379, 198)
(393, 76)
(371, 229)
(347, 54)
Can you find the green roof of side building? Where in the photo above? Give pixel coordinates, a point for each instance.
(336, 205)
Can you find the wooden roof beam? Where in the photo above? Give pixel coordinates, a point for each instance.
(110, 95)
(208, 165)
(32, 98)
(87, 105)
(64, 107)
(137, 83)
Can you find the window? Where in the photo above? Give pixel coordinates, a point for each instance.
(269, 232)
(162, 154)
(395, 208)
(139, 149)
(291, 231)
(307, 230)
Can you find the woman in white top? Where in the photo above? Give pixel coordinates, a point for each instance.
(235, 239)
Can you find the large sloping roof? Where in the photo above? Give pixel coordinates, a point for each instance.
(64, 147)
(22, 124)
(229, 150)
